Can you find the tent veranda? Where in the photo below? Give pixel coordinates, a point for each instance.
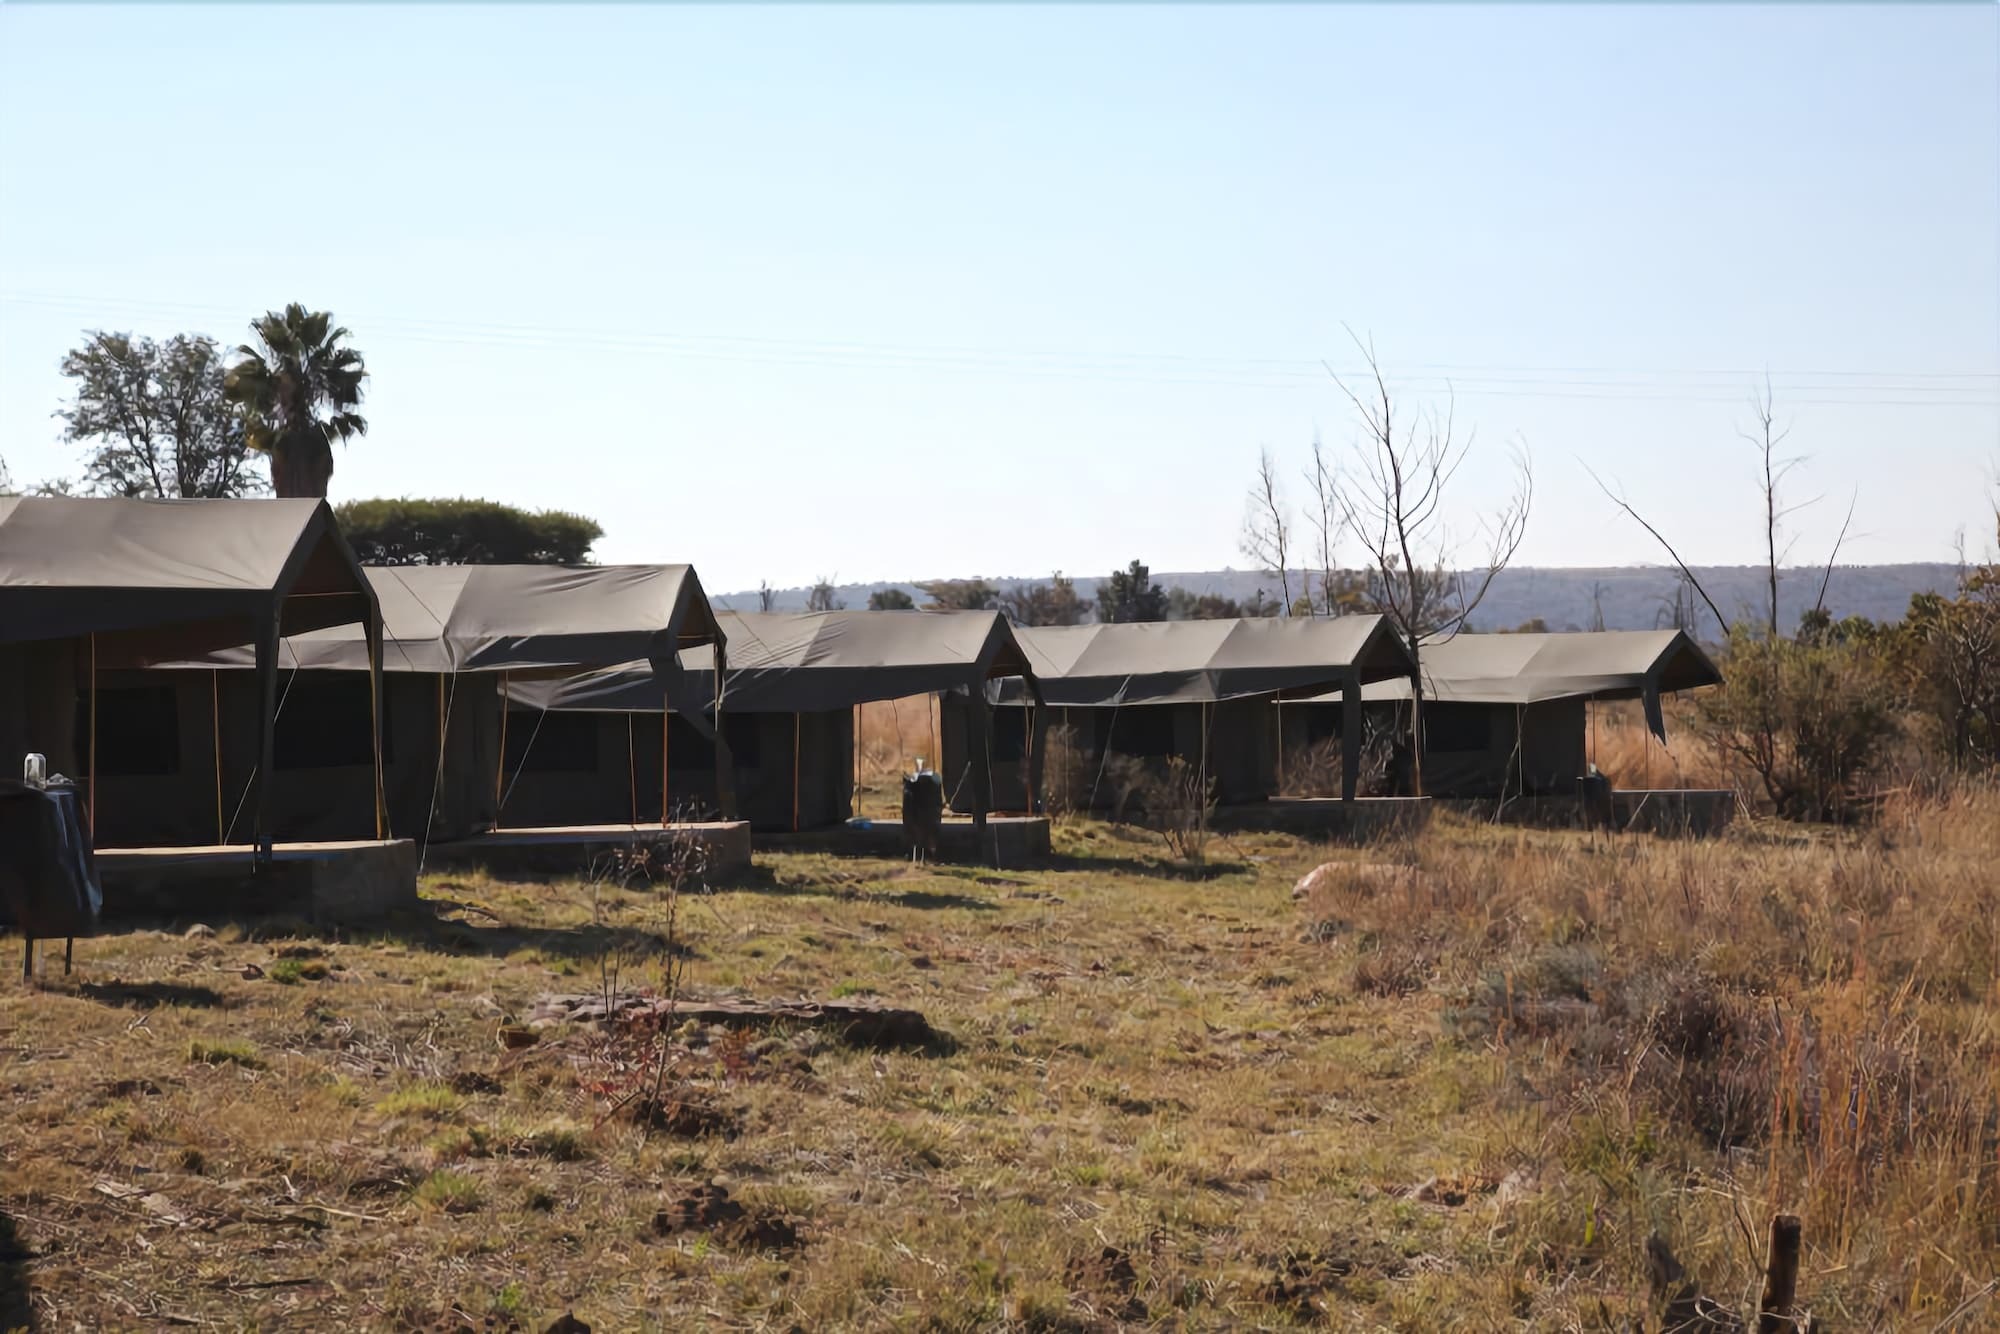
(793, 680)
(90, 586)
(454, 636)
(1507, 714)
(1201, 690)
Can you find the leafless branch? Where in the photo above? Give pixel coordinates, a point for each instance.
(1638, 518)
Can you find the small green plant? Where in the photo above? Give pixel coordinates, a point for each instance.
(224, 1052)
(447, 1192)
(436, 1101)
(295, 971)
(508, 1300)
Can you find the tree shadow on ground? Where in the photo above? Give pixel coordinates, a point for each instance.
(438, 931)
(1152, 868)
(17, 1308)
(150, 995)
(931, 899)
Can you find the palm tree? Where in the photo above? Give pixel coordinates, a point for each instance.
(298, 386)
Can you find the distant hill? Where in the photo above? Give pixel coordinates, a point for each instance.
(1629, 598)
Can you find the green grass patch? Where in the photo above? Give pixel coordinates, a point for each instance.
(227, 1051)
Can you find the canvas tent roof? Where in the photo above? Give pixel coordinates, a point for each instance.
(167, 577)
(1533, 668)
(804, 662)
(1159, 662)
(520, 618)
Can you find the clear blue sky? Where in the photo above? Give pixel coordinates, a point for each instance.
(882, 293)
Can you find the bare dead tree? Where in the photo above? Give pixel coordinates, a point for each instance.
(1395, 507)
(1687, 574)
(1267, 529)
(1826, 576)
(1326, 523)
(1765, 437)
(823, 597)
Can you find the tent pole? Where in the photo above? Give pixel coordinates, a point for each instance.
(631, 775)
(500, 767)
(1201, 797)
(267, 726)
(375, 725)
(666, 720)
(1350, 735)
(93, 738)
(215, 725)
(1278, 703)
(797, 726)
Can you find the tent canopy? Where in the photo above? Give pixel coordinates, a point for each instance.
(806, 662)
(160, 578)
(515, 618)
(1522, 669)
(1530, 668)
(1162, 662)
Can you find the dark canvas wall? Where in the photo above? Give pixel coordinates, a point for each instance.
(159, 784)
(1473, 750)
(1241, 758)
(604, 768)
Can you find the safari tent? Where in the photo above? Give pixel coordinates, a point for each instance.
(1507, 714)
(1200, 690)
(93, 589)
(793, 680)
(454, 636)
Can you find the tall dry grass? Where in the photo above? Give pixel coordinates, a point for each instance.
(1689, 1036)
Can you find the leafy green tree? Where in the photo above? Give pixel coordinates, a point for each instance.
(960, 595)
(464, 532)
(1131, 595)
(1053, 603)
(299, 385)
(154, 421)
(891, 599)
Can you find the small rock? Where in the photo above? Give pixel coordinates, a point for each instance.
(250, 972)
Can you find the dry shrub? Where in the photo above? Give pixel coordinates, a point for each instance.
(1179, 801)
(1315, 770)
(1632, 757)
(1802, 1022)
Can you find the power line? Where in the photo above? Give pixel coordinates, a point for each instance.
(1858, 388)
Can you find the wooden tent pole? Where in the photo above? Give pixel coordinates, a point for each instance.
(797, 725)
(375, 727)
(1278, 703)
(631, 774)
(215, 725)
(666, 721)
(93, 738)
(500, 767)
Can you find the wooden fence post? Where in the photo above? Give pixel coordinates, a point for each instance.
(1781, 1276)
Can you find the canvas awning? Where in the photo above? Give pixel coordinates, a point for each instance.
(515, 618)
(153, 579)
(1533, 668)
(1163, 662)
(806, 662)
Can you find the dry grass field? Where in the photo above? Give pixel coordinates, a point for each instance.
(1456, 1085)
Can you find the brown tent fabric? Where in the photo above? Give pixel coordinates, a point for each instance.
(178, 753)
(92, 585)
(1523, 669)
(792, 680)
(162, 577)
(1161, 662)
(810, 662)
(516, 618)
(451, 634)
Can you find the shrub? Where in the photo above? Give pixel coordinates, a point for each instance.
(1807, 718)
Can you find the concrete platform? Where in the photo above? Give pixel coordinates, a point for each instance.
(1329, 817)
(576, 849)
(1011, 840)
(325, 882)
